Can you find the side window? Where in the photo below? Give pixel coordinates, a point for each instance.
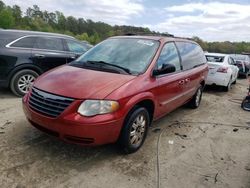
(49, 43)
(76, 47)
(191, 54)
(169, 55)
(26, 42)
(232, 62)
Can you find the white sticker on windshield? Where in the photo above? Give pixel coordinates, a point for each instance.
(146, 42)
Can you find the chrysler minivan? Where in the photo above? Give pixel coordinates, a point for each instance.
(114, 91)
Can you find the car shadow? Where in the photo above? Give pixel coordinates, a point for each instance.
(5, 93)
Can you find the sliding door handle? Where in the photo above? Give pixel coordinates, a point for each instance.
(181, 82)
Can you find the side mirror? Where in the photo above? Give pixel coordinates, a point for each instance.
(166, 68)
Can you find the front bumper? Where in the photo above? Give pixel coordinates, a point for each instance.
(74, 128)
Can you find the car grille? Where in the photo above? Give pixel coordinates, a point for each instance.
(48, 104)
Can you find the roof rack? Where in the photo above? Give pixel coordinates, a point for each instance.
(150, 34)
(157, 34)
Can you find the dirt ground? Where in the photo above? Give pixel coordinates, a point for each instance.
(206, 147)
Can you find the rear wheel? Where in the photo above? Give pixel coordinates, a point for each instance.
(22, 81)
(235, 81)
(196, 100)
(229, 85)
(134, 130)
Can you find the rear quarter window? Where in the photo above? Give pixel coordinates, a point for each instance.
(26, 42)
(191, 54)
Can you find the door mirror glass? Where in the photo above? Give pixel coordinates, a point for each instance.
(165, 69)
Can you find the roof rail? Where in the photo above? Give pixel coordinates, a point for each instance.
(150, 34)
(157, 34)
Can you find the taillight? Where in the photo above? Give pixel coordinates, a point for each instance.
(222, 69)
(246, 63)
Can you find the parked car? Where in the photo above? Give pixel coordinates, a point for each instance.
(114, 91)
(26, 54)
(222, 70)
(243, 63)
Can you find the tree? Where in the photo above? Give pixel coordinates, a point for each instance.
(2, 5)
(203, 44)
(86, 29)
(83, 36)
(72, 25)
(17, 13)
(6, 19)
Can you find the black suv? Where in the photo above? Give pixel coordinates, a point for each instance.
(26, 54)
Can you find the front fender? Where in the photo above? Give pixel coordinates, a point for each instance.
(131, 103)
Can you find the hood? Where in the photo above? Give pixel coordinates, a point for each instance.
(80, 83)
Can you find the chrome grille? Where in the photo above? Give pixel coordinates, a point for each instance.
(48, 104)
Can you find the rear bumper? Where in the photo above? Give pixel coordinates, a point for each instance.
(73, 128)
(220, 79)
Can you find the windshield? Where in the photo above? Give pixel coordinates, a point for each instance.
(218, 59)
(125, 55)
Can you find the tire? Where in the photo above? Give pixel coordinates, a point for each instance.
(235, 81)
(229, 85)
(245, 105)
(246, 75)
(133, 129)
(196, 100)
(21, 81)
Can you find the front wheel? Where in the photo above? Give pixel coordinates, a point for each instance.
(22, 81)
(134, 130)
(196, 100)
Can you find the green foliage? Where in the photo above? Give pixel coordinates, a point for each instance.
(83, 36)
(223, 47)
(6, 18)
(36, 19)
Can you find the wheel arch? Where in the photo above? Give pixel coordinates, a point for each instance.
(145, 100)
(202, 83)
(22, 67)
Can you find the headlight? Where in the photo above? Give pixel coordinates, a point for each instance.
(94, 107)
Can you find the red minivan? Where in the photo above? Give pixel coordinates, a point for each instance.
(113, 92)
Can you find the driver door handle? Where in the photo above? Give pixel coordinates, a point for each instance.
(40, 56)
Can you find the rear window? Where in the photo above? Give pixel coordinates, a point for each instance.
(26, 42)
(192, 55)
(76, 47)
(217, 59)
(49, 43)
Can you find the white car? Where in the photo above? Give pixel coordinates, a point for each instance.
(222, 70)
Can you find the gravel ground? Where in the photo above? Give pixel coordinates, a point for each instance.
(206, 147)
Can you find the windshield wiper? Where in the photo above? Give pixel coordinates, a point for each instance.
(109, 64)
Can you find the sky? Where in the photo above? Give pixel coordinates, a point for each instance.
(221, 20)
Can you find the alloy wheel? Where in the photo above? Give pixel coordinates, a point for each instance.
(25, 82)
(198, 97)
(138, 129)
